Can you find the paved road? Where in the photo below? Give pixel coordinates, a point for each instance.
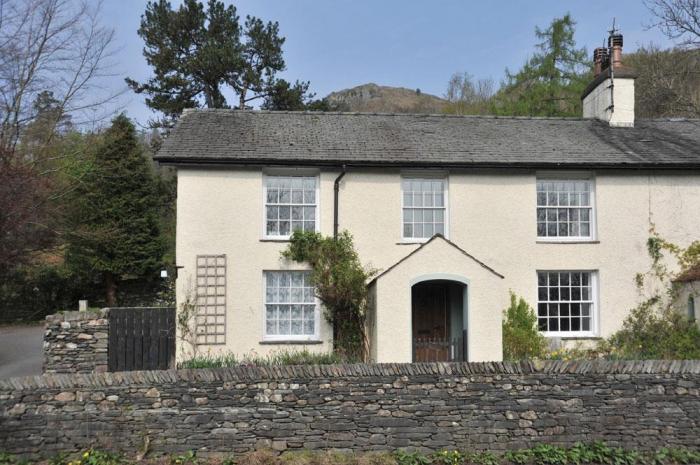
(21, 350)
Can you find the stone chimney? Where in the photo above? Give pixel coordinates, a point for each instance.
(610, 96)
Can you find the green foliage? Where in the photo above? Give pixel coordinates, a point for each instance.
(410, 458)
(98, 457)
(545, 454)
(198, 50)
(283, 95)
(541, 454)
(282, 357)
(341, 284)
(89, 457)
(552, 80)
(188, 458)
(192, 52)
(483, 458)
(521, 339)
(449, 457)
(596, 453)
(657, 328)
(116, 213)
(650, 332)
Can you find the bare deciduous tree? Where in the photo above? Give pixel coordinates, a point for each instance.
(53, 56)
(668, 82)
(54, 45)
(467, 96)
(677, 19)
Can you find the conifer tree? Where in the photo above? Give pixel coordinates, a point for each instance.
(115, 215)
(198, 51)
(552, 80)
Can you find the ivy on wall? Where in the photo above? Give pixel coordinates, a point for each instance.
(341, 285)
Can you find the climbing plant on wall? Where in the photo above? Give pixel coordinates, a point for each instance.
(341, 285)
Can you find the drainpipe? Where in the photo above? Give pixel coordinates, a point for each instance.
(336, 191)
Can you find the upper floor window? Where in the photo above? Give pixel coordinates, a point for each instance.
(424, 207)
(566, 302)
(291, 310)
(565, 209)
(291, 203)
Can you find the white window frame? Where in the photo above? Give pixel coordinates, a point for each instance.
(570, 177)
(595, 311)
(430, 175)
(301, 173)
(316, 337)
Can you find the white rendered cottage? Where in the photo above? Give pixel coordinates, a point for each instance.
(454, 210)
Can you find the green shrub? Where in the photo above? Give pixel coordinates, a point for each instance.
(410, 458)
(341, 281)
(282, 357)
(521, 339)
(651, 331)
(98, 457)
(449, 457)
(189, 457)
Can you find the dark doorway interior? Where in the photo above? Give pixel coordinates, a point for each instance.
(439, 332)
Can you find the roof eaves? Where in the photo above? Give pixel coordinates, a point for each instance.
(436, 236)
(177, 160)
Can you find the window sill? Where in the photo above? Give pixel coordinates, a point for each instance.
(290, 342)
(417, 241)
(545, 241)
(265, 239)
(571, 337)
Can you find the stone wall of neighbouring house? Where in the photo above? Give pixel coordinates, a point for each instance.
(76, 342)
(493, 406)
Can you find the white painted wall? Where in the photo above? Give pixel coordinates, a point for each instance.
(492, 216)
(487, 295)
(597, 103)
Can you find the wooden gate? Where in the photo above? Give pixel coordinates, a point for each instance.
(141, 339)
(437, 349)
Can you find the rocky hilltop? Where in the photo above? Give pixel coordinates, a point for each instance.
(384, 99)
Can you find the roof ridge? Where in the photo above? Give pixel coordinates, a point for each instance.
(370, 113)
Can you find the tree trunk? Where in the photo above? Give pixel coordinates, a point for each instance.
(110, 289)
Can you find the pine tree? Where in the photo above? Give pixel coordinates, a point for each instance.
(115, 214)
(196, 52)
(552, 80)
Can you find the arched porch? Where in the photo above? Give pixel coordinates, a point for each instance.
(439, 319)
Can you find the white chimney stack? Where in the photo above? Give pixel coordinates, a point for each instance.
(610, 97)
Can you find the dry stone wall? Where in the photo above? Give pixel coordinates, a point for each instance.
(76, 342)
(492, 406)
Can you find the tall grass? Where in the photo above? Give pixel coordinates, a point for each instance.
(281, 357)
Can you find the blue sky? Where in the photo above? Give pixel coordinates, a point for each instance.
(337, 44)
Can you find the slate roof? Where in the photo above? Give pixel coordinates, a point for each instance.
(364, 139)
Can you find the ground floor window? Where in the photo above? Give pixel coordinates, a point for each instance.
(566, 302)
(290, 306)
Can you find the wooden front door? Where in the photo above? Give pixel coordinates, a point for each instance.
(431, 322)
